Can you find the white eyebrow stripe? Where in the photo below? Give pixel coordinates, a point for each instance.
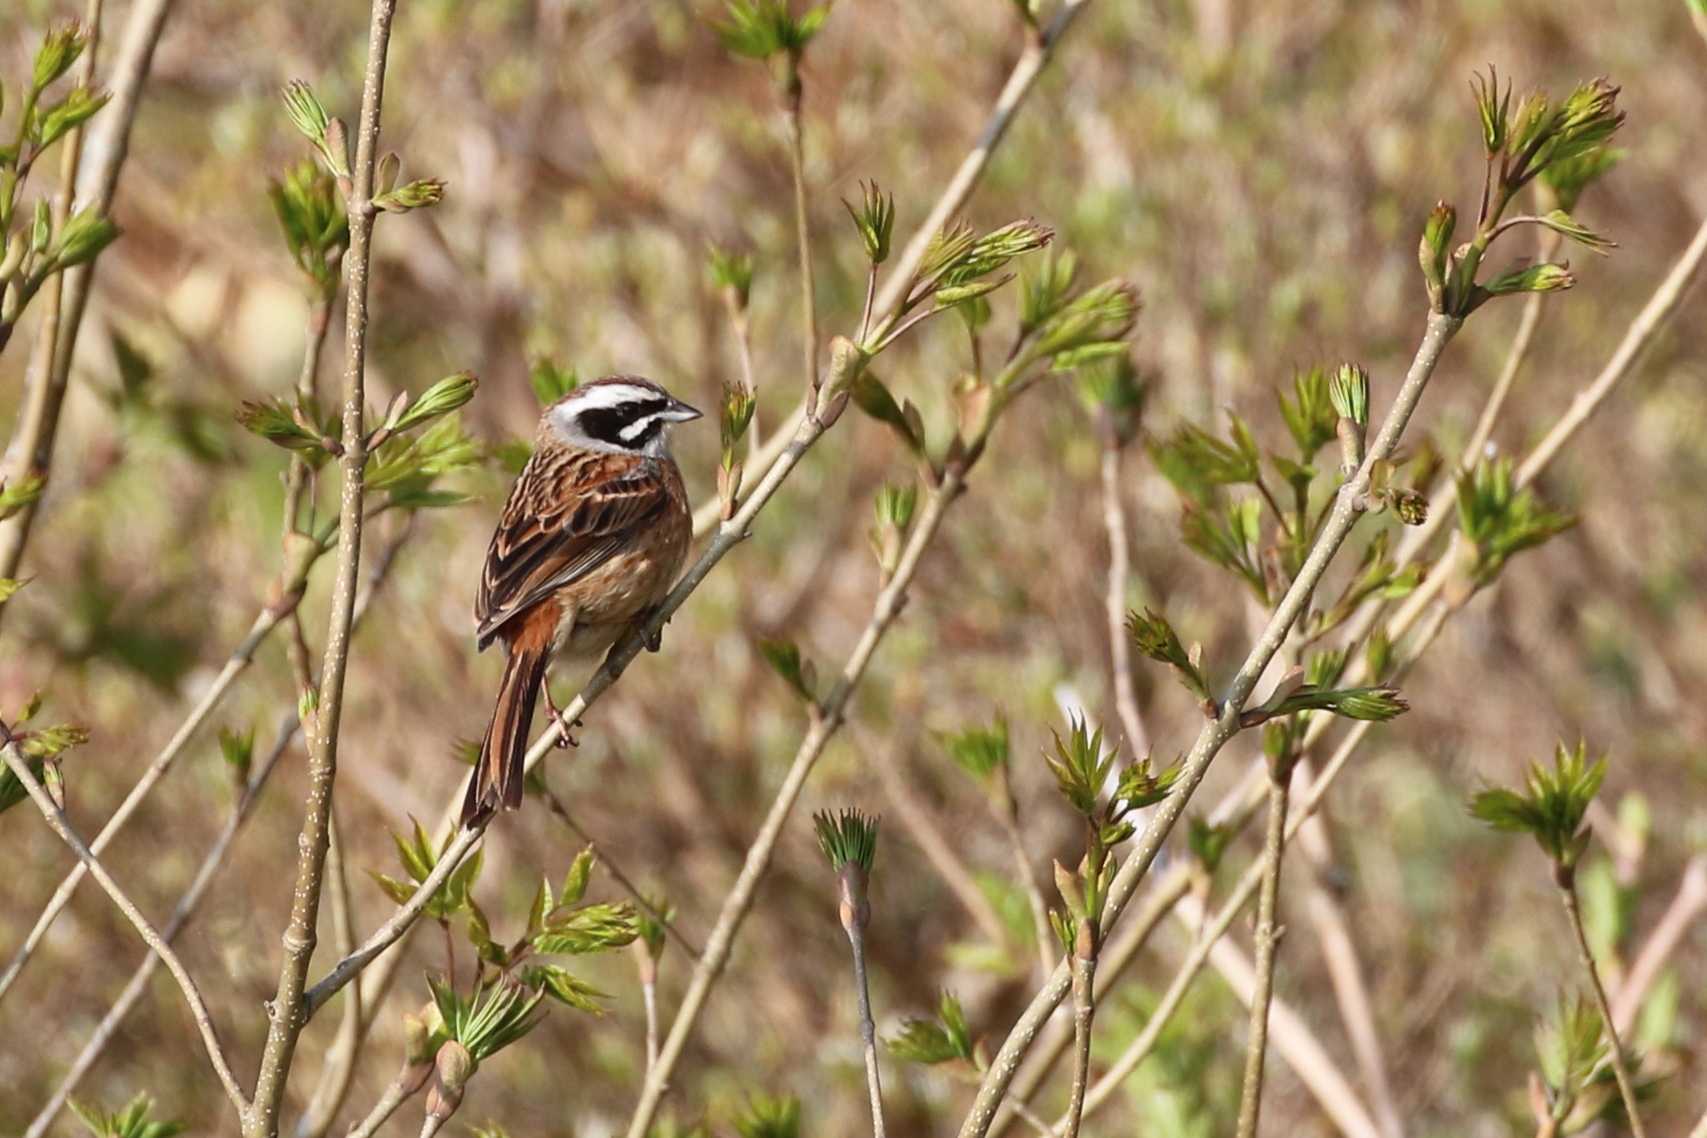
(611, 395)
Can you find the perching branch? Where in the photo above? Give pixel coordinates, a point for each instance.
(14, 758)
(288, 1012)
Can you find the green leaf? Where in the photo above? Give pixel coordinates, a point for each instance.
(1310, 414)
(930, 1041)
(1080, 765)
(592, 928)
(1156, 640)
(273, 420)
(874, 217)
(872, 397)
(550, 382)
(130, 1122)
(565, 987)
(980, 751)
(575, 881)
(19, 493)
(71, 112)
(1500, 521)
(732, 271)
(1378, 703)
(498, 1015)
(9, 587)
(760, 29)
(441, 398)
(784, 658)
(58, 51)
(767, 1117)
(1553, 805)
(81, 239)
(420, 194)
(237, 751)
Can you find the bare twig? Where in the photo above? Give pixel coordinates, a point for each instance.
(1007, 813)
(1267, 939)
(239, 660)
(339, 1067)
(185, 909)
(182, 913)
(793, 94)
(561, 812)
(1687, 906)
(1346, 973)
(108, 143)
(1038, 51)
(56, 819)
(1119, 575)
(867, 1028)
(826, 718)
(944, 858)
(1620, 1065)
(288, 1011)
(396, 1094)
(1217, 732)
(1084, 965)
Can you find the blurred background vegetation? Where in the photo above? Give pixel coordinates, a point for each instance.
(1262, 171)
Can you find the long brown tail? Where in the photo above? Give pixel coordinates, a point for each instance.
(497, 777)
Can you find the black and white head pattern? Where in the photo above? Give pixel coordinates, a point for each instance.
(624, 414)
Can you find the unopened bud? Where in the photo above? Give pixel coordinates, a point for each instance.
(452, 1069)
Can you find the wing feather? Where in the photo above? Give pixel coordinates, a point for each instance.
(566, 516)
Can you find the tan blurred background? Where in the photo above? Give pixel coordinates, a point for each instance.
(1261, 170)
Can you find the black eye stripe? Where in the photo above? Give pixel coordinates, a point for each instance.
(607, 423)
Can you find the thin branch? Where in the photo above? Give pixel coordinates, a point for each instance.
(1346, 974)
(1293, 1040)
(825, 720)
(1620, 1066)
(56, 819)
(1037, 53)
(182, 913)
(557, 808)
(1084, 1007)
(1215, 734)
(1267, 940)
(1687, 906)
(867, 1029)
(31, 449)
(1119, 576)
(395, 1096)
(793, 95)
(238, 662)
(288, 1013)
(1007, 813)
(944, 858)
(215, 860)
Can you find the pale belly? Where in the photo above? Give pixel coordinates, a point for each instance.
(597, 610)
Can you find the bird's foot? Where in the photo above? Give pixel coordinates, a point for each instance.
(565, 727)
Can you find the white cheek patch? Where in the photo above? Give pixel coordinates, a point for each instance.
(637, 429)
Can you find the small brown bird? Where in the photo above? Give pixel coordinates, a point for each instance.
(591, 538)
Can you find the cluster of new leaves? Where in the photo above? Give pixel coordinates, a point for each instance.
(1579, 1087)
(314, 222)
(1229, 530)
(1566, 144)
(1551, 806)
(131, 1121)
(981, 752)
(418, 858)
(894, 507)
(40, 244)
(1498, 520)
(43, 748)
(766, 29)
(1084, 770)
(513, 979)
(943, 1038)
(766, 1116)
